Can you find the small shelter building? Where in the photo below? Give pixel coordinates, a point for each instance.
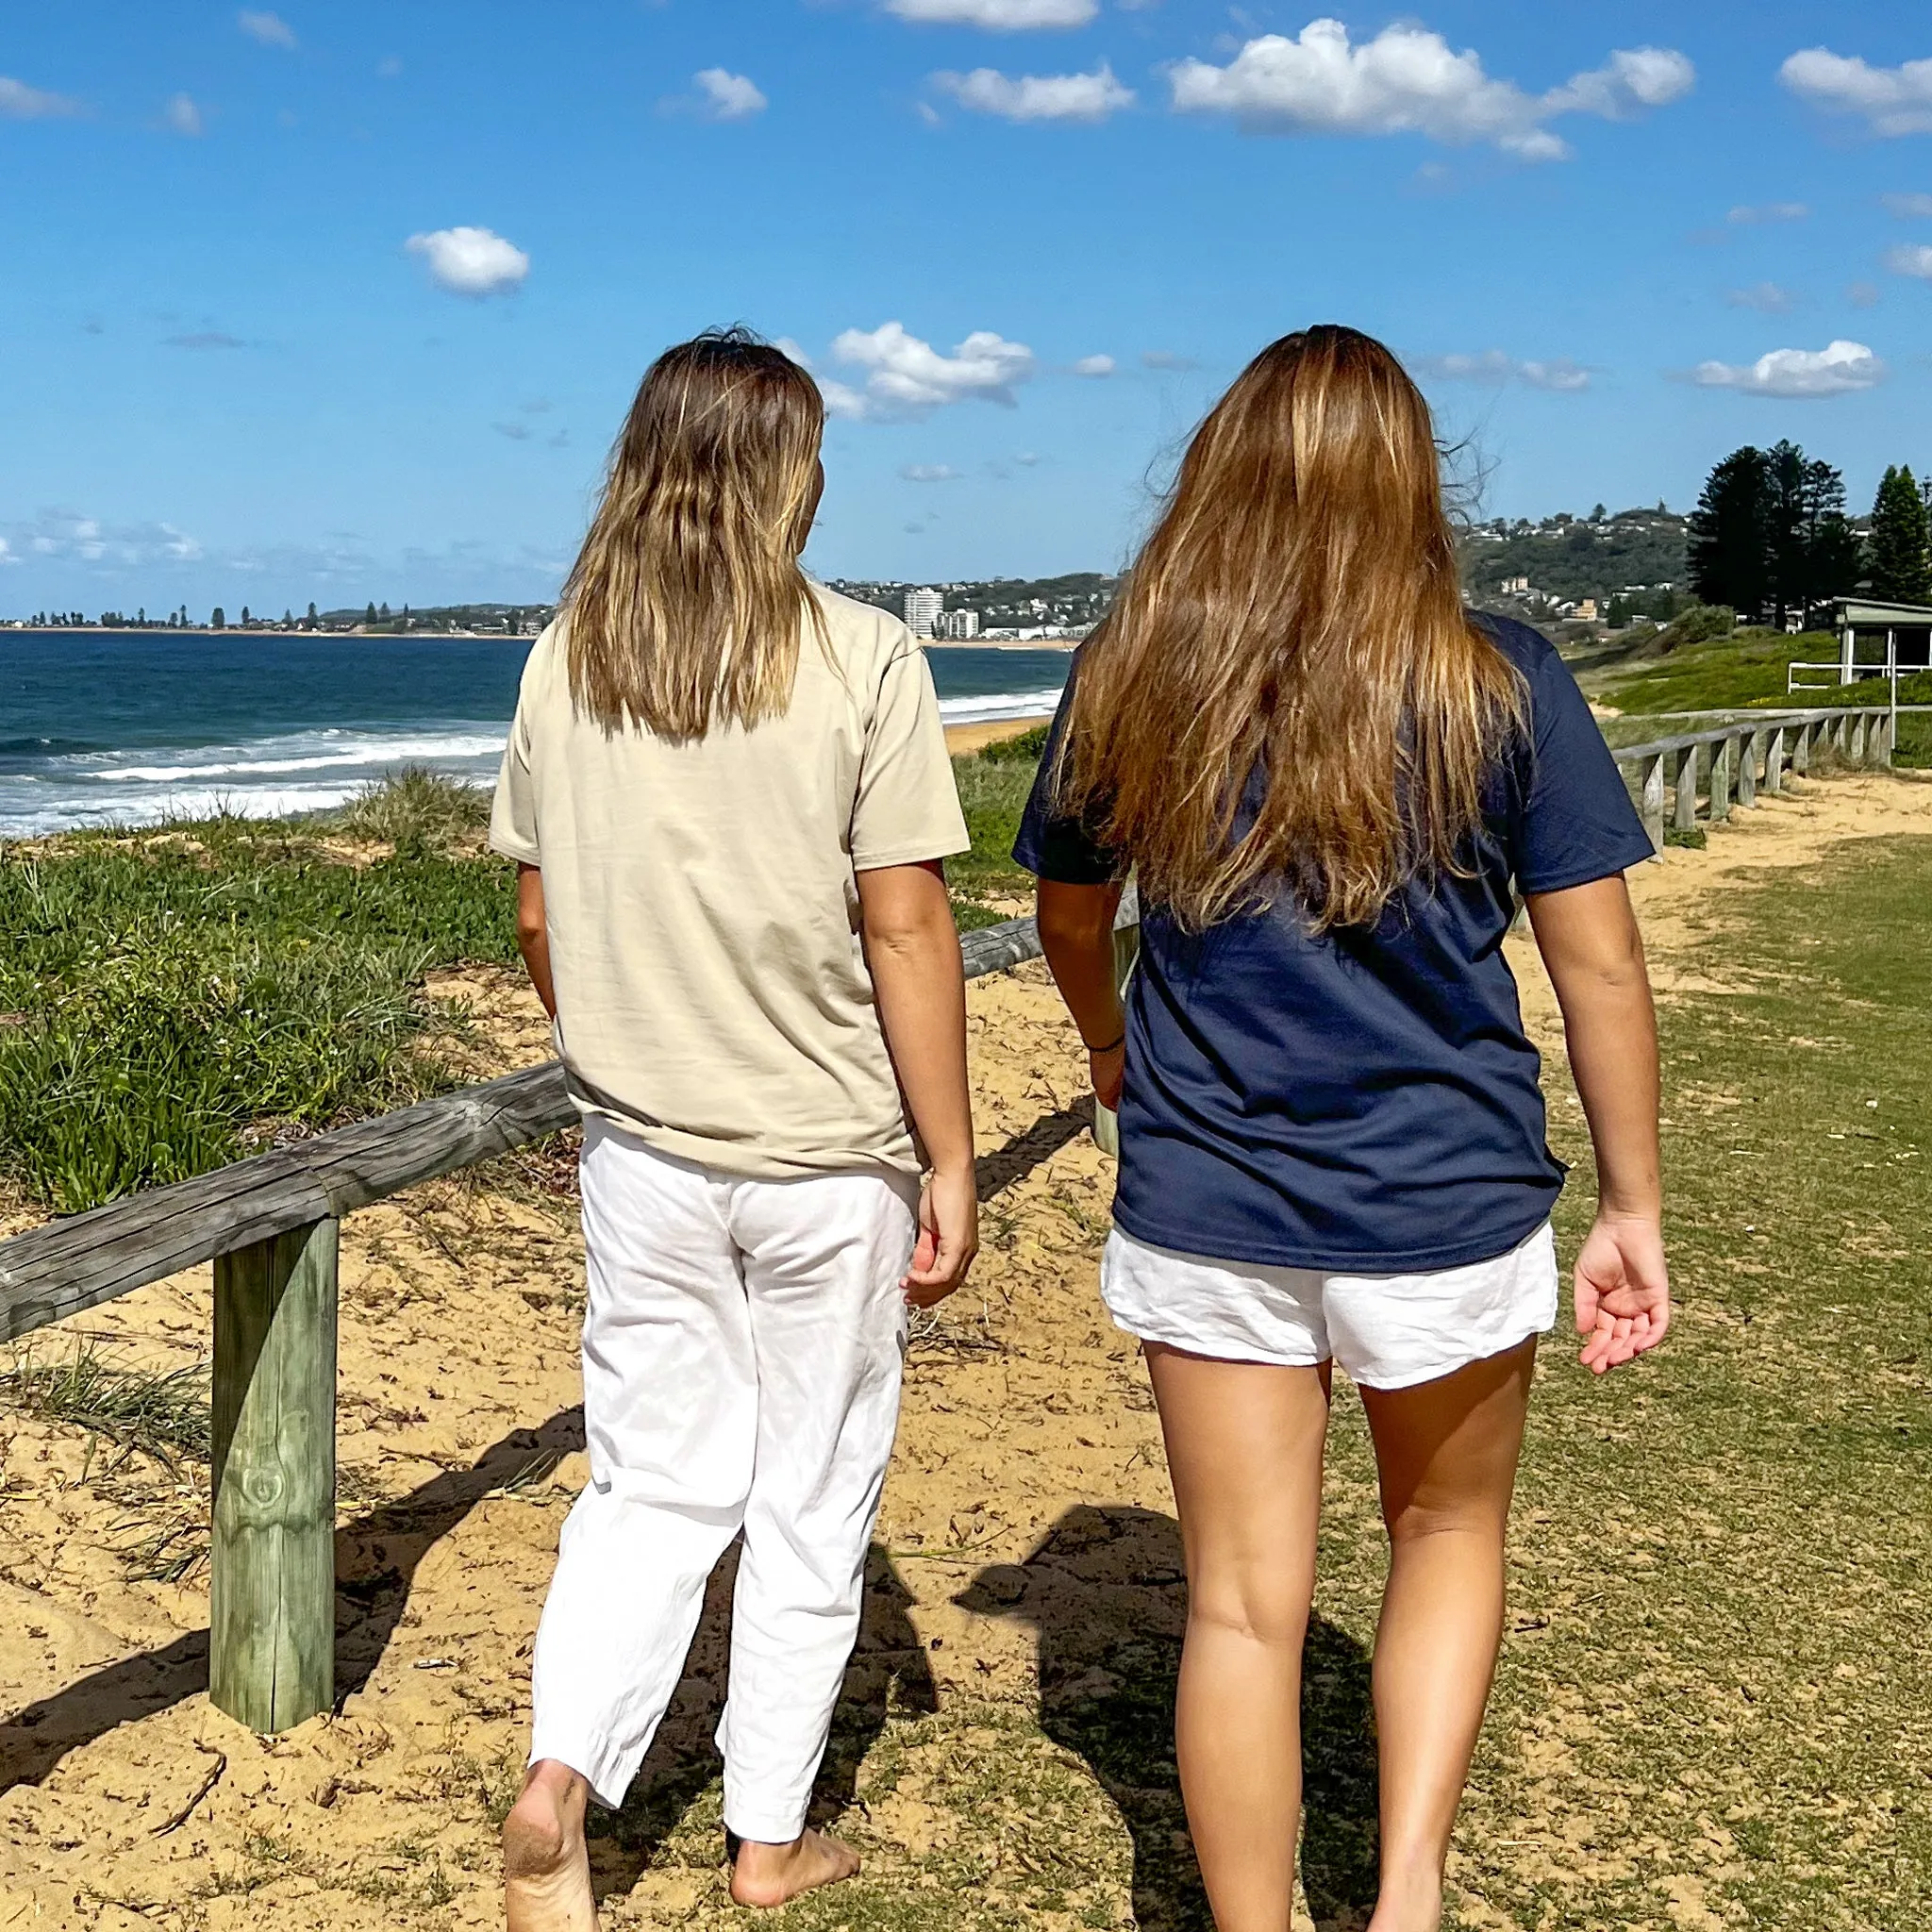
(1878, 640)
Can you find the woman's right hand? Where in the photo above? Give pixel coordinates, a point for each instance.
(1623, 1291)
(1108, 1072)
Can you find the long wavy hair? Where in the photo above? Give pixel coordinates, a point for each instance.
(684, 607)
(1288, 695)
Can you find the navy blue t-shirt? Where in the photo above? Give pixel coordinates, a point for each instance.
(1362, 1100)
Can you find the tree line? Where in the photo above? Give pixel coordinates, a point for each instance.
(1771, 537)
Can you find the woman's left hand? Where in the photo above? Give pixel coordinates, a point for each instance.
(1108, 1072)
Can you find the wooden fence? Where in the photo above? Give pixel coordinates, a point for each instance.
(270, 1225)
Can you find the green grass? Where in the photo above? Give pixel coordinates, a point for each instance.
(159, 1413)
(171, 1000)
(1745, 671)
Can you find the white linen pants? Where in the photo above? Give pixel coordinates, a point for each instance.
(743, 1350)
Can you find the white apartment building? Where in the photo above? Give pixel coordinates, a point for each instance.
(956, 626)
(923, 609)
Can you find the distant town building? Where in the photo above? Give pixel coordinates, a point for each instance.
(1516, 587)
(923, 609)
(956, 626)
(1585, 610)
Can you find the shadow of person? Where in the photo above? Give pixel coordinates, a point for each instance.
(888, 1676)
(377, 1559)
(1105, 1594)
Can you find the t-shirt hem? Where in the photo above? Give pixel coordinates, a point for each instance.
(743, 1161)
(921, 852)
(1485, 1247)
(1588, 874)
(514, 848)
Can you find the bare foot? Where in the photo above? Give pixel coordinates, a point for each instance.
(769, 1875)
(547, 1868)
(1408, 1903)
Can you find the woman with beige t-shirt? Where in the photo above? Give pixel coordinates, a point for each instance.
(728, 793)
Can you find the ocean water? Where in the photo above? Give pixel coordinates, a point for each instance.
(125, 728)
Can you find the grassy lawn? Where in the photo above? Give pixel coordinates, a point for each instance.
(170, 999)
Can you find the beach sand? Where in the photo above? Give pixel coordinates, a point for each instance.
(128, 1800)
(962, 738)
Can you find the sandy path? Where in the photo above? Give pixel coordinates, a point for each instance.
(458, 1446)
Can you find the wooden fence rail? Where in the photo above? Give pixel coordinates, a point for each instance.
(270, 1225)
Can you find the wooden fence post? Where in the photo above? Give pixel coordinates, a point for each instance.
(1888, 739)
(1747, 768)
(1801, 751)
(272, 1620)
(1840, 725)
(1856, 753)
(1686, 814)
(1654, 800)
(1721, 781)
(1774, 760)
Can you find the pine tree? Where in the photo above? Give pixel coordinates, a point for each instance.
(312, 620)
(1729, 537)
(1901, 552)
(369, 615)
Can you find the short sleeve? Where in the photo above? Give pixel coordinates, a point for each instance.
(1576, 821)
(1053, 845)
(513, 812)
(907, 810)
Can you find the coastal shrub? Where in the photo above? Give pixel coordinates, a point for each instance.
(414, 811)
(1697, 625)
(161, 1001)
(992, 795)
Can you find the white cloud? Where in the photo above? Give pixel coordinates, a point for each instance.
(1166, 359)
(1908, 206)
(1769, 211)
(181, 116)
(65, 534)
(1039, 96)
(1000, 16)
(471, 262)
(1408, 80)
(270, 29)
(785, 345)
(1839, 369)
(1767, 298)
(205, 339)
(908, 377)
(730, 96)
(1913, 259)
(931, 472)
(1863, 294)
(1094, 365)
(1891, 100)
(19, 102)
(1492, 366)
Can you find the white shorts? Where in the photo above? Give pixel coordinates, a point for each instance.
(1387, 1331)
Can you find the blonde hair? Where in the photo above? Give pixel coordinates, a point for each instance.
(1294, 623)
(684, 605)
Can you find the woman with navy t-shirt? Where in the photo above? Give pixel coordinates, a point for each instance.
(1333, 784)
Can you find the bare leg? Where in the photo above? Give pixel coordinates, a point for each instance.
(769, 1875)
(1447, 1453)
(1244, 1447)
(546, 1866)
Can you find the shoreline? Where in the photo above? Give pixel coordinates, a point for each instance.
(962, 740)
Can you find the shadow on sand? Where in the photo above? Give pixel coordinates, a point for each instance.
(888, 1676)
(1106, 1596)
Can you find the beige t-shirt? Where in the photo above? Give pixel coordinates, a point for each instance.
(711, 987)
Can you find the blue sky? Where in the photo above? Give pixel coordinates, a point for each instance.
(347, 300)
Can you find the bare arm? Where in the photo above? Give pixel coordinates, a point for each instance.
(1076, 935)
(912, 947)
(533, 936)
(1594, 955)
